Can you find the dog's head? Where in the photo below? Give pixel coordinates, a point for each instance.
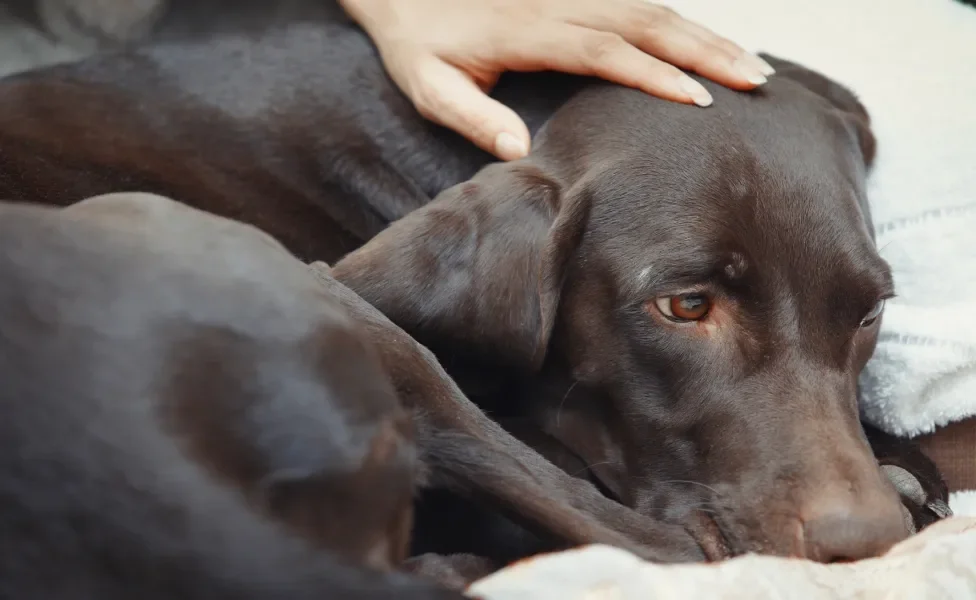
(706, 282)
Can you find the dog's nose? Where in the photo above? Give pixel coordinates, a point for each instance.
(840, 527)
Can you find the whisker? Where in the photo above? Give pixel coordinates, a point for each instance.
(707, 487)
(591, 465)
(559, 409)
(658, 513)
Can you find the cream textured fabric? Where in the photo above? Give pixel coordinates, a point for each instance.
(964, 503)
(936, 564)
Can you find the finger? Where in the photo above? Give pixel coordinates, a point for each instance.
(447, 96)
(685, 48)
(746, 63)
(730, 47)
(663, 33)
(585, 51)
(726, 45)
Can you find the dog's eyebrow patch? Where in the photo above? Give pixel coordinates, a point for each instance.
(644, 277)
(736, 267)
(674, 272)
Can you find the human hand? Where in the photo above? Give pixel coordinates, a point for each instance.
(446, 55)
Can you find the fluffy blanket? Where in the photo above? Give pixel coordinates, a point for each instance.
(937, 563)
(22, 47)
(912, 64)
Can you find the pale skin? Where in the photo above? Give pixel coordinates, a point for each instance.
(446, 55)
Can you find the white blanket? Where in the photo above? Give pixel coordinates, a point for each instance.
(936, 564)
(913, 64)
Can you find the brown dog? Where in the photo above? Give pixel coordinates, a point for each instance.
(695, 293)
(168, 375)
(567, 268)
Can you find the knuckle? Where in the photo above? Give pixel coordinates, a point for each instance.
(715, 43)
(720, 52)
(428, 101)
(603, 45)
(422, 101)
(425, 110)
(666, 15)
(430, 107)
(662, 19)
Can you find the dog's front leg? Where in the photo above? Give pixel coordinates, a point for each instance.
(470, 454)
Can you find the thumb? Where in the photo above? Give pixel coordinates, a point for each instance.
(450, 97)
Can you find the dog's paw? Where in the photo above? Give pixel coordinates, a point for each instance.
(923, 490)
(921, 508)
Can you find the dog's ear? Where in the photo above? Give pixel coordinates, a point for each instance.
(480, 269)
(843, 99)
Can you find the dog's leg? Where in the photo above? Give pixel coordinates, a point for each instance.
(469, 453)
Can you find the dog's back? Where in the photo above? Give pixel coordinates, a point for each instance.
(105, 489)
(296, 129)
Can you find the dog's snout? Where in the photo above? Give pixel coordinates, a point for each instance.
(839, 526)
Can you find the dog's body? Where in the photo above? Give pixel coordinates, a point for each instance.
(157, 399)
(311, 142)
(540, 273)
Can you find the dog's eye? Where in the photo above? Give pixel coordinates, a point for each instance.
(872, 316)
(684, 307)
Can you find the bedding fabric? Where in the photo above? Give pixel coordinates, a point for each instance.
(937, 564)
(964, 503)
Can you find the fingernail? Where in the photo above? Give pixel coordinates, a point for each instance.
(749, 71)
(764, 67)
(699, 95)
(509, 147)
